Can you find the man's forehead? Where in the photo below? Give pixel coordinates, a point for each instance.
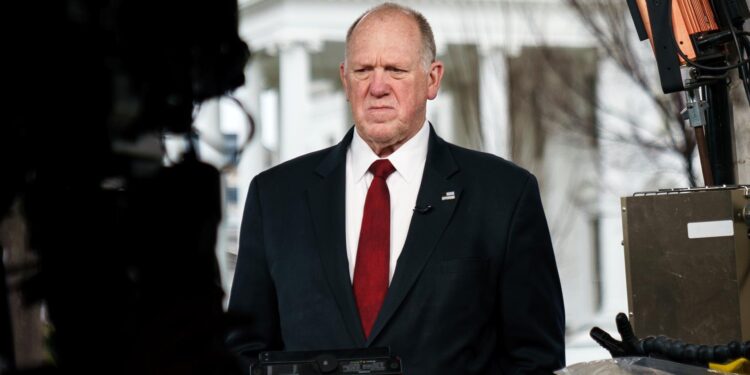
(385, 36)
(383, 47)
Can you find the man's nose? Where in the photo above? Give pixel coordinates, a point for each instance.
(379, 86)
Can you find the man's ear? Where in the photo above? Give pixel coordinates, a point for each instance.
(436, 76)
(344, 83)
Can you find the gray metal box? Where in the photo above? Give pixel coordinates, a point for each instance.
(687, 259)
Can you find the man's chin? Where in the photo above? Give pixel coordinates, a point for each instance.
(380, 120)
(375, 128)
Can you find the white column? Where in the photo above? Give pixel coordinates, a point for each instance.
(294, 87)
(494, 101)
(440, 112)
(252, 159)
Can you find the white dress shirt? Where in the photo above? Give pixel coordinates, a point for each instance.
(403, 187)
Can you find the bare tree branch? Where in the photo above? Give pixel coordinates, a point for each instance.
(610, 23)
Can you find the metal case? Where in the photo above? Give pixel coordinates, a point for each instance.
(693, 289)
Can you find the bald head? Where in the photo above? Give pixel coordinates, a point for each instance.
(387, 10)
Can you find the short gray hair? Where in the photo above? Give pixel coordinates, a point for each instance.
(428, 39)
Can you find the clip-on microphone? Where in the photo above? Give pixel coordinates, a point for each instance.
(422, 209)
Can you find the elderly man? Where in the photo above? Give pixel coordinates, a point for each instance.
(396, 238)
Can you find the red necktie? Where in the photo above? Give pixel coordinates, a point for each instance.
(373, 252)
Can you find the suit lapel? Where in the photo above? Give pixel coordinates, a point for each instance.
(327, 201)
(425, 228)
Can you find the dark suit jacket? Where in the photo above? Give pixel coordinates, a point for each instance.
(475, 291)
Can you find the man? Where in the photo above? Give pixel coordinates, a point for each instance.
(440, 253)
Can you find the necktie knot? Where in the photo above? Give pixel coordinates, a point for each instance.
(382, 168)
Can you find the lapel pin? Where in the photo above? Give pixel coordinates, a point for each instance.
(448, 196)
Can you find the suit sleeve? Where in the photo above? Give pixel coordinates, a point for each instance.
(532, 317)
(252, 301)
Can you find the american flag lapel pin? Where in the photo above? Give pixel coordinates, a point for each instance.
(449, 195)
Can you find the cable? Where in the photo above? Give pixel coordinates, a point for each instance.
(664, 347)
(680, 351)
(743, 73)
(746, 78)
(695, 64)
(742, 49)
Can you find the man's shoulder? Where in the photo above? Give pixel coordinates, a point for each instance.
(486, 164)
(296, 169)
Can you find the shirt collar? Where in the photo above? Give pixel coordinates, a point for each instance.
(408, 159)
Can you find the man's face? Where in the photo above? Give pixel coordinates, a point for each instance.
(386, 81)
